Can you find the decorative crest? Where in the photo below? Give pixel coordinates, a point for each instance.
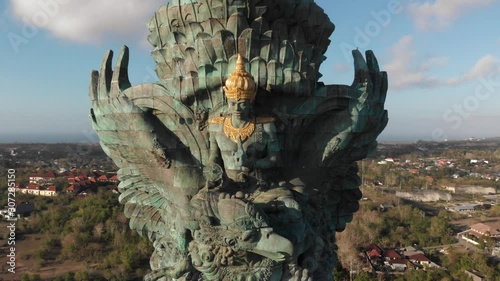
(240, 85)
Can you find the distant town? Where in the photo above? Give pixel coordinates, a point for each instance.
(424, 206)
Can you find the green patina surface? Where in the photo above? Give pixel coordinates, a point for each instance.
(232, 188)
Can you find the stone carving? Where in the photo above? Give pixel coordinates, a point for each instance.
(238, 164)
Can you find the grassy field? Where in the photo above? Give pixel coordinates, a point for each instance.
(26, 247)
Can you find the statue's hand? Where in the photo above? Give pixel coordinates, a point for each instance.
(366, 110)
(370, 85)
(113, 115)
(107, 94)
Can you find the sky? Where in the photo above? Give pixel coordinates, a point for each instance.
(442, 59)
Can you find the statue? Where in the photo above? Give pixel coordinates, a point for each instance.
(243, 141)
(238, 164)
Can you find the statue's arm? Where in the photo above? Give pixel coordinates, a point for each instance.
(272, 158)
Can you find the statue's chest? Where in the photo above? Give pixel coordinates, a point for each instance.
(253, 144)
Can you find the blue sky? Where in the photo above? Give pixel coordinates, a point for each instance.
(442, 57)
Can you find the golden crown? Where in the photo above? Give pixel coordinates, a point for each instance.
(240, 84)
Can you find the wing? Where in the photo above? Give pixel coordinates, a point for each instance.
(340, 129)
(139, 128)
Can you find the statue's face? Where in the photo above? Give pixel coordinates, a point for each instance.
(239, 109)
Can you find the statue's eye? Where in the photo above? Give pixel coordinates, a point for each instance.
(230, 242)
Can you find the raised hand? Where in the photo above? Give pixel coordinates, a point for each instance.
(370, 85)
(368, 118)
(114, 117)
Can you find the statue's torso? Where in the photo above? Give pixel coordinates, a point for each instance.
(256, 146)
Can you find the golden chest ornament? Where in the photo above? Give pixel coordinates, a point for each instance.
(238, 133)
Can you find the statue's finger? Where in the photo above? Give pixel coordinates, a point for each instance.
(372, 62)
(94, 82)
(359, 61)
(105, 75)
(384, 85)
(374, 70)
(120, 80)
(360, 67)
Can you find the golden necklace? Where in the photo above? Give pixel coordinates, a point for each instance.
(236, 133)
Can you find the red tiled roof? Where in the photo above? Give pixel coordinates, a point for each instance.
(52, 188)
(71, 188)
(486, 229)
(374, 247)
(392, 254)
(373, 253)
(420, 258)
(113, 178)
(102, 178)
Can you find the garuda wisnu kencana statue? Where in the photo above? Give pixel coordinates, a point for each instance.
(239, 164)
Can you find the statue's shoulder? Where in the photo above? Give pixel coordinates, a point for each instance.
(264, 119)
(215, 124)
(216, 120)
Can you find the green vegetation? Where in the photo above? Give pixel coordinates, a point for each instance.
(404, 225)
(92, 230)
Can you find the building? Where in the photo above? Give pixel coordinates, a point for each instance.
(35, 189)
(43, 179)
(465, 208)
(486, 229)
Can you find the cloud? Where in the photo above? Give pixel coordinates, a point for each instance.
(89, 21)
(483, 68)
(408, 70)
(404, 73)
(440, 14)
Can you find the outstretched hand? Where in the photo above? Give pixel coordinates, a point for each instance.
(370, 85)
(366, 110)
(111, 109)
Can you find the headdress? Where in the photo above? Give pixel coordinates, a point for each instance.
(240, 84)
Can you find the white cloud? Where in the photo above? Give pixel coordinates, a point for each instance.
(484, 66)
(89, 21)
(404, 73)
(408, 70)
(433, 62)
(440, 14)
